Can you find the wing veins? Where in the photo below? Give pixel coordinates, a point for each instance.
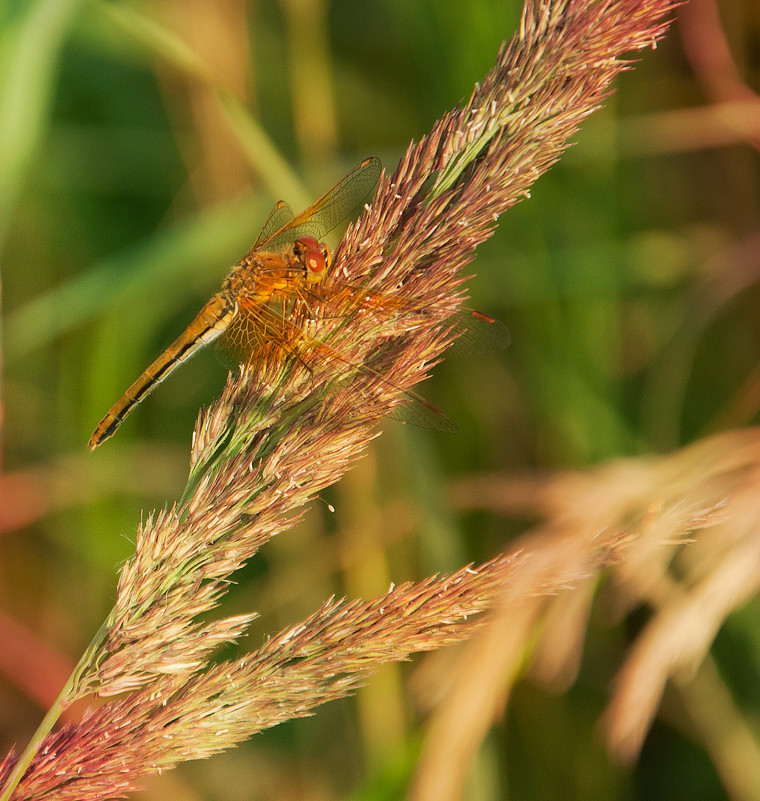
(336, 205)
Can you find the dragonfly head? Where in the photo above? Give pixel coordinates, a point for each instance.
(314, 256)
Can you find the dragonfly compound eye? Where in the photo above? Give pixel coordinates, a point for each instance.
(315, 262)
(307, 241)
(313, 257)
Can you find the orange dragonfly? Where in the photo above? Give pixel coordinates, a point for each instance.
(286, 260)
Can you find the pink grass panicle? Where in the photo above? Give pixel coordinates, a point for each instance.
(281, 432)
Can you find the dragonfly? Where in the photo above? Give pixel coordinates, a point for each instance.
(288, 260)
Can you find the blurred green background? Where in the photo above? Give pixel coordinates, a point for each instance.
(131, 178)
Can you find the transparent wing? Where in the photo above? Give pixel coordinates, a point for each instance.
(257, 327)
(416, 411)
(478, 333)
(342, 202)
(280, 215)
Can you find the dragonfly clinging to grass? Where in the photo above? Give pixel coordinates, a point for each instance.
(287, 261)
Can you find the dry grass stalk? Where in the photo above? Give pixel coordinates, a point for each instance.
(282, 431)
(707, 492)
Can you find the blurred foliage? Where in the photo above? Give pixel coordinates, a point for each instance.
(141, 144)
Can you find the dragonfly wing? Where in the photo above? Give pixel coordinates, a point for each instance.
(477, 333)
(255, 326)
(342, 202)
(280, 215)
(416, 411)
(258, 326)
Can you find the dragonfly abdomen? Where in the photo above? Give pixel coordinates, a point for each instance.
(209, 323)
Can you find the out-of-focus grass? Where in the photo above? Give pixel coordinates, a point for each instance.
(140, 148)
